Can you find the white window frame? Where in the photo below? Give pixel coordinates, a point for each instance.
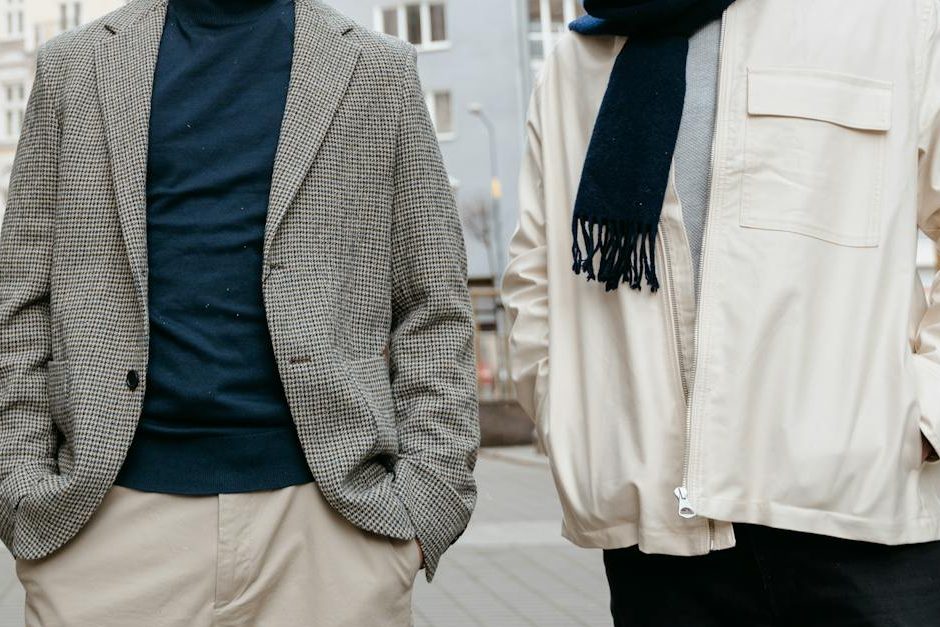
(13, 110)
(70, 14)
(12, 27)
(426, 45)
(431, 100)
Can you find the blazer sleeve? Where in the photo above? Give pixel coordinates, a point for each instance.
(431, 352)
(525, 283)
(27, 434)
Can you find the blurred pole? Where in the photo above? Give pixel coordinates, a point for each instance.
(496, 238)
(496, 189)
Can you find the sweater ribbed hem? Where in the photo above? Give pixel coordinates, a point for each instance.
(206, 465)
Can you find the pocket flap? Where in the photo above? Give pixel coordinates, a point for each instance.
(850, 101)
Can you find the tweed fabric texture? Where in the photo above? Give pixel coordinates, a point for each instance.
(364, 284)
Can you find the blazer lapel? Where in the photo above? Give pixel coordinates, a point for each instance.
(125, 64)
(323, 64)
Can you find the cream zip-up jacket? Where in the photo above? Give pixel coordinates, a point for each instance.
(793, 392)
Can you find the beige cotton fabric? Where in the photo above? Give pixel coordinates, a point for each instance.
(281, 558)
(794, 393)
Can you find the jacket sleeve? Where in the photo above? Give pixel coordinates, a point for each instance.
(27, 435)
(525, 283)
(927, 336)
(431, 352)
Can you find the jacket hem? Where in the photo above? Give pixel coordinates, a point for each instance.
(686, 543)
(833, 524)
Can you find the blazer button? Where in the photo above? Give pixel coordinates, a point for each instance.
(133, 380)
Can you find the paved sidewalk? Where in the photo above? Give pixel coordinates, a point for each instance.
(511, 568)
(11, 594)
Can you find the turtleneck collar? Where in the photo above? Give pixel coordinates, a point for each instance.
(222, 12)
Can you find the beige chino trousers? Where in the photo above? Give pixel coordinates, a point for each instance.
(281, 558)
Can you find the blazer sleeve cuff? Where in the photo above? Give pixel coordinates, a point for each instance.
(437, 511)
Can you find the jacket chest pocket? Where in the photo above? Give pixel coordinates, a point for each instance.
(814, 154)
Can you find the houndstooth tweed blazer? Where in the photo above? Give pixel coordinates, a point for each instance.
(364, 284)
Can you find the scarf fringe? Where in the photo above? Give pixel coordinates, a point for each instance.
(626, 249)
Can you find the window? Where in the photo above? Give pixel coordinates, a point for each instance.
(14, 105)
(423, 24)
(413, 24)
(12, 19)
(548, 21)
(441, 108)
(389, 24)
(70, 15)
(438, 23)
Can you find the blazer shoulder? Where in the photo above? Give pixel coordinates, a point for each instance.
(67, 44)
(384, 47)
(376, 47)
(72, 43)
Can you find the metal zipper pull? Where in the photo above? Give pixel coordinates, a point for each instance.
(685, 507)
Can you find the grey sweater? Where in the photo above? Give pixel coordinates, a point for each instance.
(696, 132)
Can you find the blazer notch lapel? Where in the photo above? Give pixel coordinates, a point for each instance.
(124, 65)
(323, 65)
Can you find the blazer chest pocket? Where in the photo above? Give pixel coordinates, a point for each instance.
(814, 154)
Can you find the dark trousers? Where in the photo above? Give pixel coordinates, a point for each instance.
(776, 578)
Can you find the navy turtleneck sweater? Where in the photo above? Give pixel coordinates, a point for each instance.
(215, 418)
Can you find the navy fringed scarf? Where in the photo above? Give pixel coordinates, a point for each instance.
(620, 199)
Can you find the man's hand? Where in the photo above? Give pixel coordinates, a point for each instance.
(929, 453)
(420, 552)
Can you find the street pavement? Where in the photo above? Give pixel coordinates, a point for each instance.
(511, 568)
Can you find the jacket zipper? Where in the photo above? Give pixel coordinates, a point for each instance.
(686, 508)
(676, 323)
